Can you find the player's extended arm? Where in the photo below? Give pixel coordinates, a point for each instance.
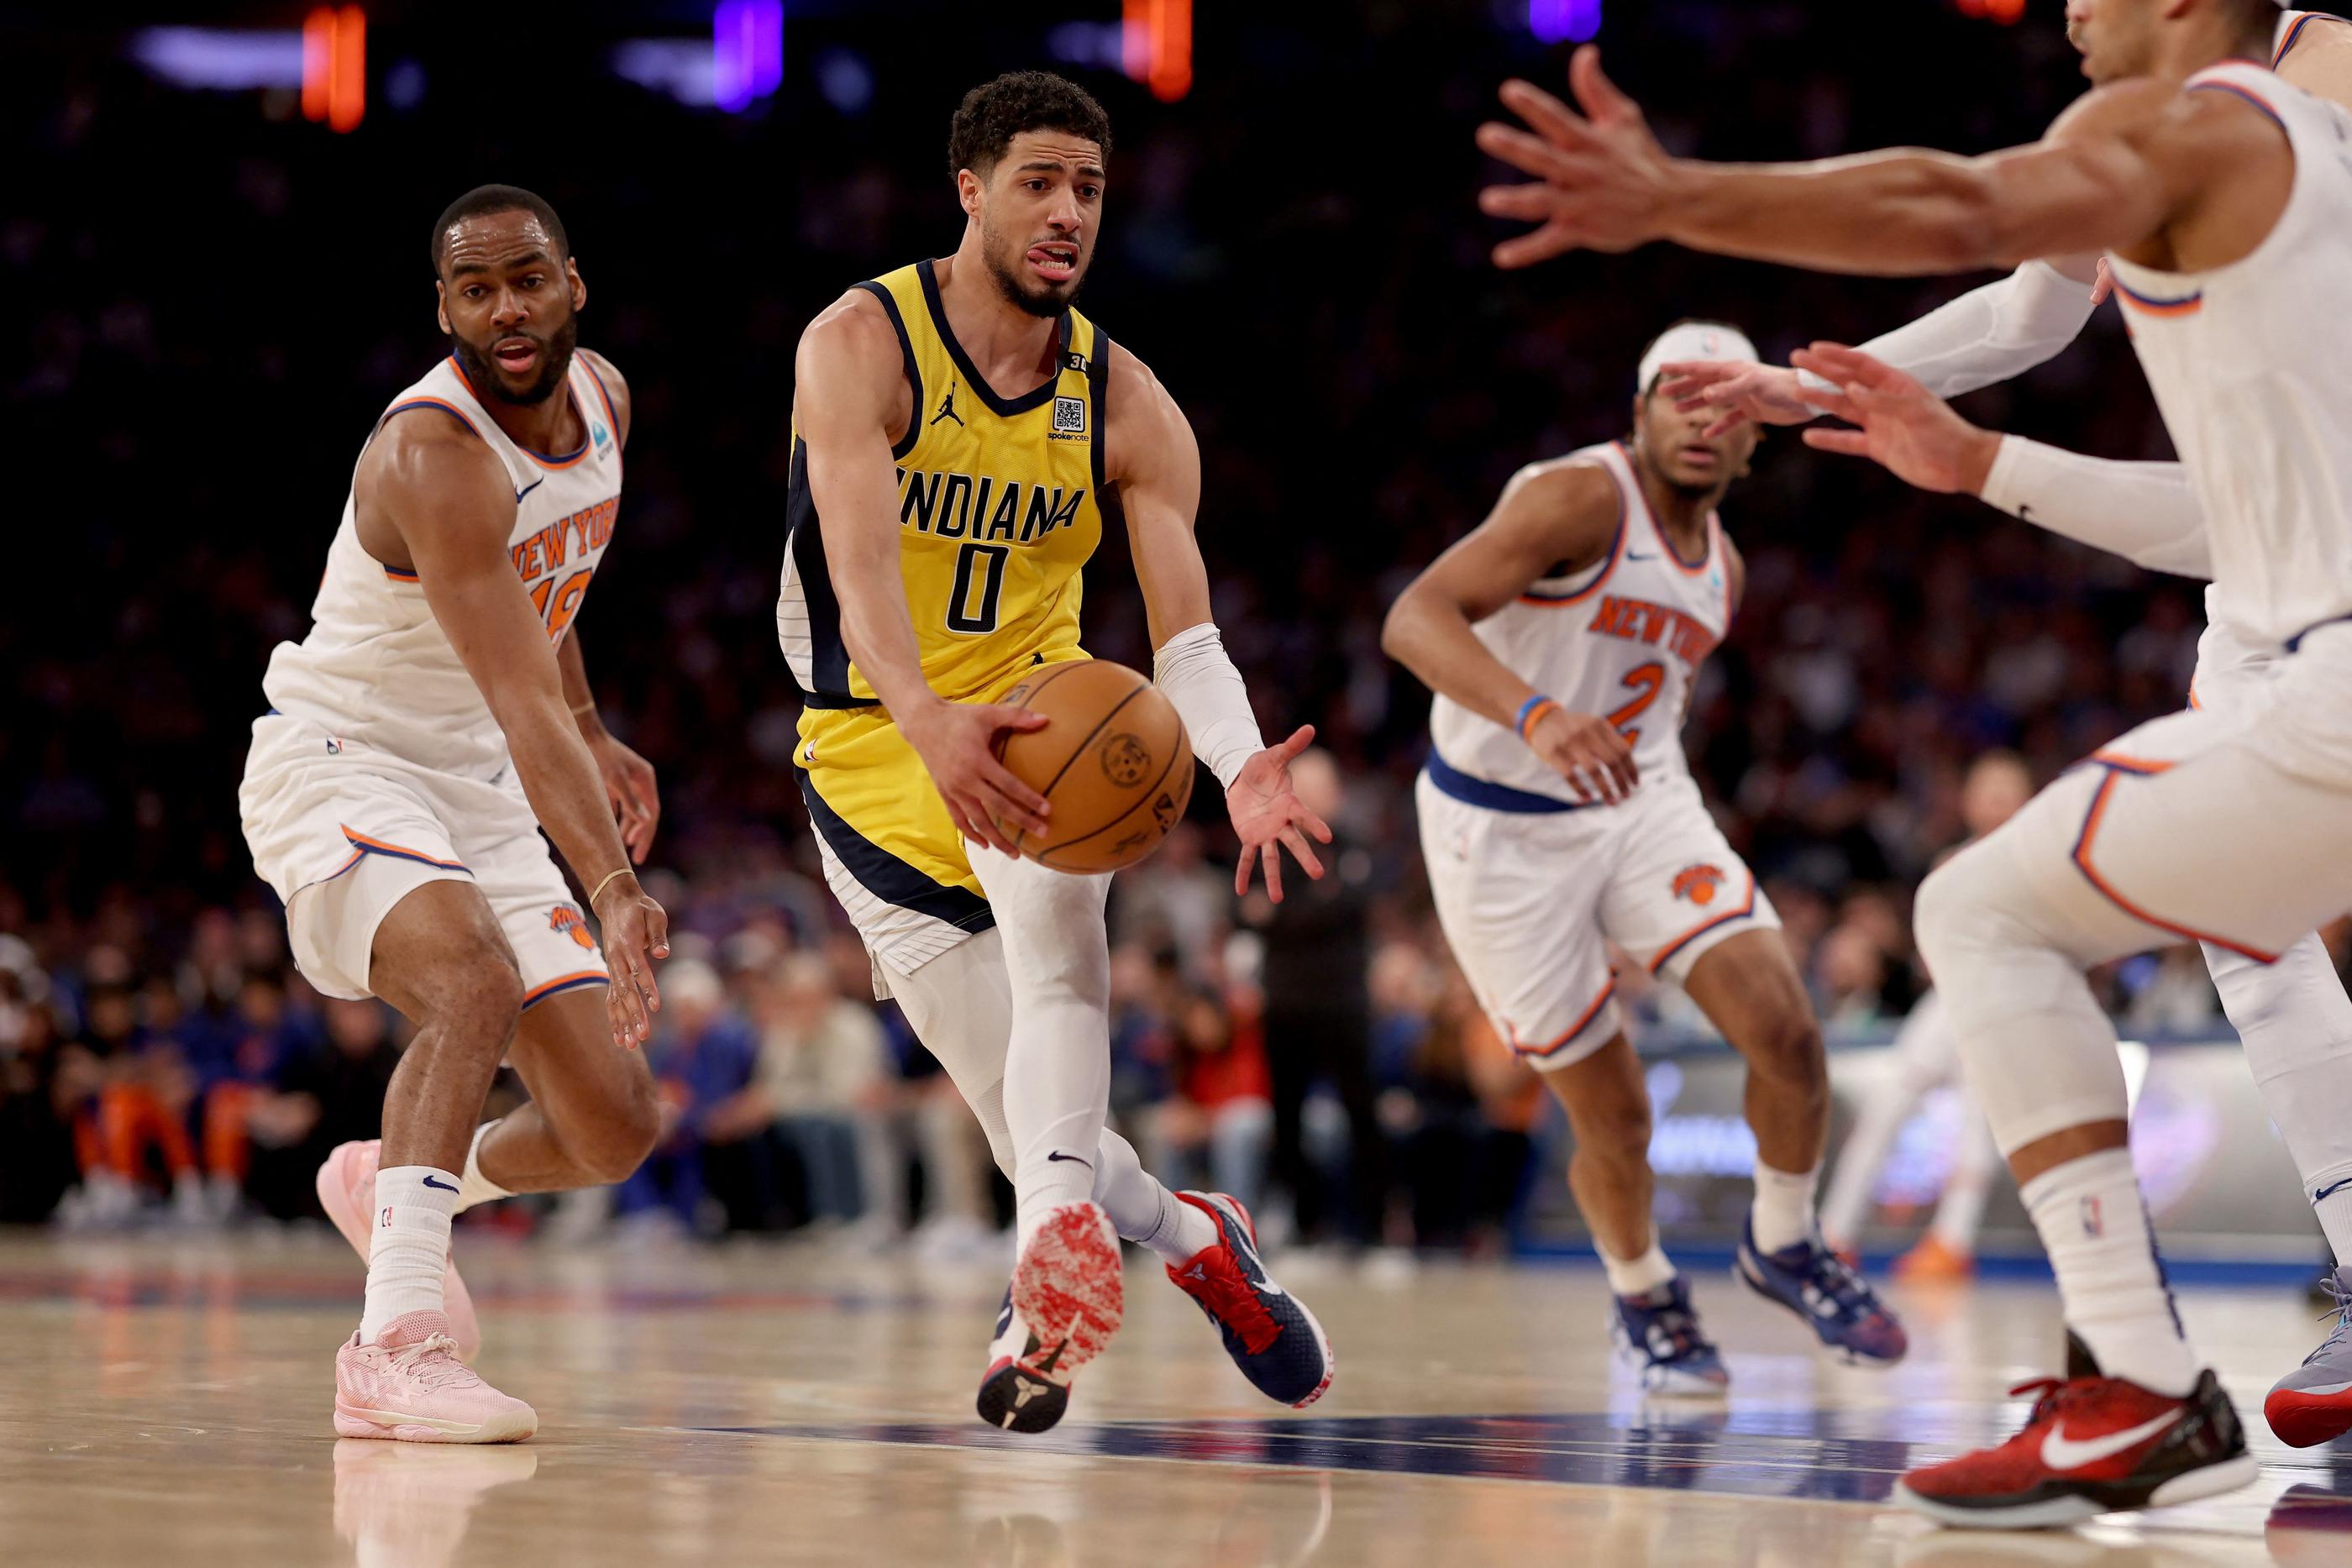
(449, 498)
(848, 389)
(1550, 514)
(2145, 512)
(2119, 165)
(1986, 336)
(1152, 455)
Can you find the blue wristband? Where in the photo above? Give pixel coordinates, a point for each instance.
(1529, 711)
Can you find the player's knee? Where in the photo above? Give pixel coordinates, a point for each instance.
(1785, 1045)
(1955, 917)
(1622, 1138)
(631, 1123)
(478, 1001)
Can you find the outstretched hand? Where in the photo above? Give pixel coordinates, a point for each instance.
(1909, 430)
(1268, 816)
(1602, 177)
(1740, 389)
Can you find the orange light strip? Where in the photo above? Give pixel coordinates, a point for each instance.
(334, 66)
(1158, 46)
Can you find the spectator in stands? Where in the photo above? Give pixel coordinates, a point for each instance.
(1319, 1024)
(704, 1057)
(1215, 1130)
(823, 1085)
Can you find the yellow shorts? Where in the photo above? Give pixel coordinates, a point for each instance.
(891, 855)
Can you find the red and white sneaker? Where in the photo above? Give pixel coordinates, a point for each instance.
(346, 1184)
(2092, 1444)
(409, 1385)
(1067, 1299)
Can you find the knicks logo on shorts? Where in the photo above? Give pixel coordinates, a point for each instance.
(1698, 883)
(564, 917)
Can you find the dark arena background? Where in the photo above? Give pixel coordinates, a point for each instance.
(214, 276)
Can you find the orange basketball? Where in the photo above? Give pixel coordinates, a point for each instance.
(1114, 764)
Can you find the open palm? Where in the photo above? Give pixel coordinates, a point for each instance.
(1902, 426)
(1268, 817)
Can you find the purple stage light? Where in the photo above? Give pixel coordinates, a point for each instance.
(1564, 21)
(747, 52)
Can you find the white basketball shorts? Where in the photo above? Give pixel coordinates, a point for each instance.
(1530, 900)
(343, 832)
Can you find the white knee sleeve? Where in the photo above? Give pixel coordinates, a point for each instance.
(2038, 1053)
(2296, 1024)
(960, 1006)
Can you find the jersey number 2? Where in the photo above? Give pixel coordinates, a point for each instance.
(973, 606)
(1648, 680)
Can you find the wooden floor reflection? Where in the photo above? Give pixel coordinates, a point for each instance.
(167, 1399)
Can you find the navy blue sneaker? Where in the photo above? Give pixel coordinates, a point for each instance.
(1658, 1334)
(1269, 1331)
(1819, 1286)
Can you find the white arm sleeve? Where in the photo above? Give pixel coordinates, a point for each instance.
(1193, 671)
(1987, 334)
(2145, 512)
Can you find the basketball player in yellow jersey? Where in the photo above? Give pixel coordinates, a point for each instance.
(957, 428)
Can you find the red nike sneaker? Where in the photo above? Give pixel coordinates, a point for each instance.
(2092, 1444)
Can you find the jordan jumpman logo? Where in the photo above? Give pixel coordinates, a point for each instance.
(947, 408)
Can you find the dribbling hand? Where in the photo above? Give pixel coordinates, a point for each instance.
(957, 742)
(1269, 817)
(637, 932)
(1588, 751)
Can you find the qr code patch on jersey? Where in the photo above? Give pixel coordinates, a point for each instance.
(1069, 416)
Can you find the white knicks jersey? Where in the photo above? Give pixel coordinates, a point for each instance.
(2247, 363)
(376, 667)
(1622, 639)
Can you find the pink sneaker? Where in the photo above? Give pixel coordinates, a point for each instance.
(346, 1187)
(410, 1387)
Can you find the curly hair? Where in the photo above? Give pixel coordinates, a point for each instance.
(993, 113)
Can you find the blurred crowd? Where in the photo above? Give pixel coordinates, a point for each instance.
(202, 320)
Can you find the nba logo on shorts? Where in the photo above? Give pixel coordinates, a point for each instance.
(1069, 416)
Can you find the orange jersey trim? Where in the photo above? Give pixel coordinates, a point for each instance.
(1667, 952)
(1552, 1047)
(547, 988)
(2091, 874)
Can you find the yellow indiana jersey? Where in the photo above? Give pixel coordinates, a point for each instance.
(999, 508)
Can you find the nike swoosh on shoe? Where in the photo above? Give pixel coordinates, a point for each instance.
(2061, 1452)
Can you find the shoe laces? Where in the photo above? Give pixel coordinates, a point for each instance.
(2051, 1395)
(1230, 1299)
(2341, 1311)
(1837, 1279)
(1676, 1324)
(432, 1370)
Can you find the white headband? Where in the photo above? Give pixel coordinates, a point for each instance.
(1693, 341)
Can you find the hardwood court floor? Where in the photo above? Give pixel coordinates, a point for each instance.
(166, 1400)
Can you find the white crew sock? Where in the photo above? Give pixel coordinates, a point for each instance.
(1636, 1276)
(2094, 1226)
(1782, 1213)
(408, 1247)
(473, 1186)
(2332, 1201)
(1143, 1210)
